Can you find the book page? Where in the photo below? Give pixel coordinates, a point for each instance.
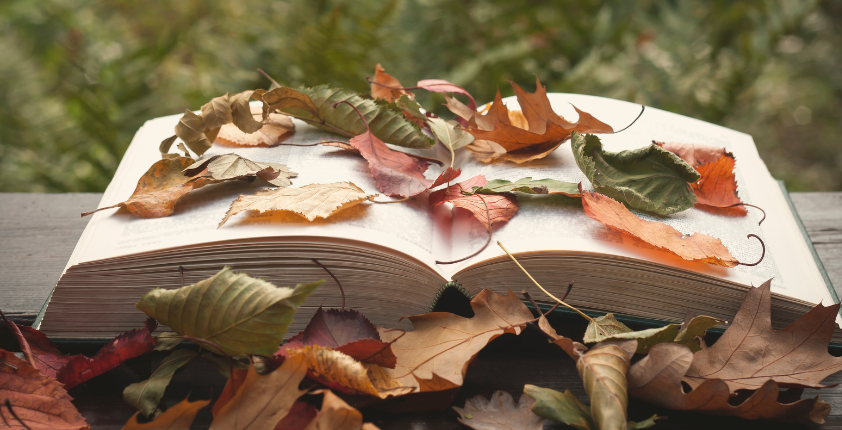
(407, 227)
(546, 223)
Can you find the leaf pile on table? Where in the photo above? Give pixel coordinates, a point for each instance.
(341, 359)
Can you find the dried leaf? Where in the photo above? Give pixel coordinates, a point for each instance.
(603, 371)
(443, 344)
(178, 417)
(301, 414)
(167, 341)
(650, 179)
(47, 356)
(411, 110)
(159, 189)
(145, 395)
(695, 328)
(558, 406)
(381, 92)
(310, 201)
(39, 401)
(232, 166)
(529, 186)
(215, 310)
(341, 372)
(123, 347)
(486, 151)
(605, 327)
(698, 247)
(199, 131)
(750, 352)
(499, 413)
(263, 401)
(449, 134)
(276, 128)
(501, 208)
(573, 349)
(335, 414)
(694, 154)
(657, 379)
(610, 328)
(235, 381)
(442, 86)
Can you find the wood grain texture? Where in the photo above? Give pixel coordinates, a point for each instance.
(822, 216)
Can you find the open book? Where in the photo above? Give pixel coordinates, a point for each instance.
(385, 255)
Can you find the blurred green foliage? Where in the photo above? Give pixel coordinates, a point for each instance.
(79, 77)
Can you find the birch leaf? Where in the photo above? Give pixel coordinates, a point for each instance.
(232, 166)
(145, 395)
(650, 179)
(241, 314)
(310, 201)
(529, 186)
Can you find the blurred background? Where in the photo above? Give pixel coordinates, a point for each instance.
(79, 77)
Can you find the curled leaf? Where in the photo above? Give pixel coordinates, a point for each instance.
(335, 414)
(341, 372)
(385, 80)
(274, 130)
(603, 371)
(610, 328)
(529, 186)
(232, 166)
(452, 136)
(558, 406)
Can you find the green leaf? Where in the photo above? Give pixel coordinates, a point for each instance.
(385, 120)
(167, 341)
(451, 136)
(529, 186)
(604, 327)
(650, 179)
(646, 339)
(408, 105)
(603, 371)
(697, 327)
(558, 406)
(241, 314)
(145, 395)
(649, 422)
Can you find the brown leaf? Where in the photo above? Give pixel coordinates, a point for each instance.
(311, 201)
(178, 417)
(232, 166)
(656, 378)
(262, 401)
(603, 370)
(694, 154)
(335, 414)
(381, 92)
(750, 352)
(199, 131)
(159, 189)
(501, 207)
(698, 247)
(276, 128)
(435, 356)
(301, 414)
(499, 413)
(235, 381)
(573, 349)
(40, 401)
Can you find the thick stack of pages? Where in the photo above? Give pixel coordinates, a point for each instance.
(385, 255)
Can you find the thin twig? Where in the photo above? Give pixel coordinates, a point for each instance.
(214, 346)
(9, 406)
(642, 108)
(746, 204)
(341, 290)
(266, 75)
(490, 224)
(761, 255)
(24, 345)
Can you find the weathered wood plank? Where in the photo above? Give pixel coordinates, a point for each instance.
(822, 216)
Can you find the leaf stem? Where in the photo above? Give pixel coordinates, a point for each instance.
(746, 204)
(367, 128)
(642, 108)
(24, 345)
(266, 75)
(341, 290)
(539, 285)
(761, 255)
(214, 346)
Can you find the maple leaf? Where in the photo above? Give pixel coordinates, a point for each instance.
(341, 372)
(335, 414)
(489, 210)
(750, 352)
(435, 356)
(145, 395)
(529, 186)
(607, 327)
(310, 201)
(603, 370)
(650, 179)
(232, 166)
(565, 407)
(657, 379)
(39, 401)
(215, 310)
(698, 247)
(261, 402)
(275, 129)
(499, 413)
(178, 417)
(123, 347)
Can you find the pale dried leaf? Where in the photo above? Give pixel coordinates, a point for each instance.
(276, 128)
(499, 413)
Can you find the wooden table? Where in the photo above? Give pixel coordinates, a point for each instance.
(38, 233)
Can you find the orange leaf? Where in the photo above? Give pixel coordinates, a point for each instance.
(694, 154)
(178, 417)
(501, 207)
(698, 247)
(235, 380)
(40, 401)
(335, 414)
(381, 92)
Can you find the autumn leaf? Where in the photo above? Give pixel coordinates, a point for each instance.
(335, 414)
(443, 344)
(167, 340)
(698, 247)
(123, 347)
(499, 413)
(499, 208)
(343, 373)
(159, 189)
(386, 80)
(442, 86)
(451, 136)
(235, 381)
(178, 417)
(275, 129)
(607, 327)
(40, 401)
(694, 154)
(573, 349)
(232, 166)
(750, 352)
(656, 378)
(603, 371)
(47, 356)
(301, 414)
(565, 407)
(529, 186)
(262, 401)
(310, 201)
(240, 314)
(650, 179)
(145, 395)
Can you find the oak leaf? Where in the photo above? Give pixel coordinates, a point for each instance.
(123, 347)
(499, 413)
(443, 344)
(263, 401)
(751, 352)
(603, 370)
(310, 201)
(607, 327)
(232, 166)
(698, 247)
(335, 414)
(489, 210)
(178, 417)
(241, 314)
(341, 372)
(275, 129)
(145, 395)
(39, 401)
(529, 186)
(565, 407)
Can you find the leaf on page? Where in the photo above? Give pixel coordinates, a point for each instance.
(276, 128)
(241, 314)
(499, 412)
(697, 247)
(80, 368)
(529, 186)
(232, 166)
(145, 395)
(488, 209)
(436, 355)
(650, 179)
(694, 154)
(38, 400)
(449, 133)
(442, 86)
(751, 352)
(179, 417)
(566, 407)
(310, 201)
(607, 327)
(335, 414)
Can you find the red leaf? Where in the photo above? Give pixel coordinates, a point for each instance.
(47, 356)
(370, 351)
(396, 173)
(446, 176)
(442, 86)
(123, 347)
(501, 207)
